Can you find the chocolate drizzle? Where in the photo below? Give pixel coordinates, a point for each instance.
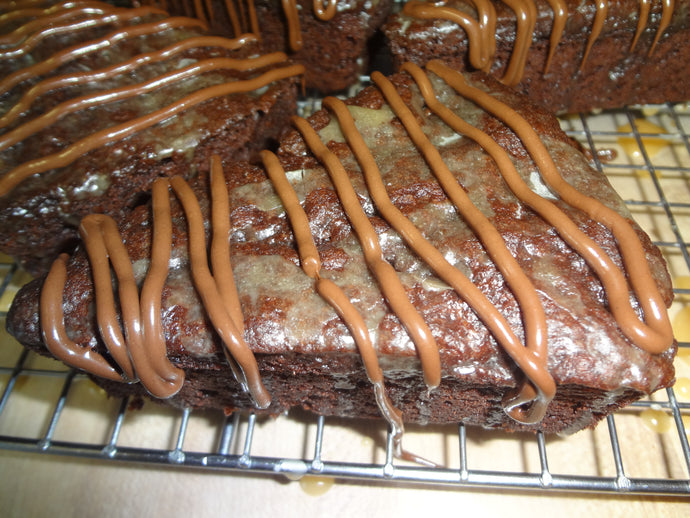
(481, 29)
(527, 403)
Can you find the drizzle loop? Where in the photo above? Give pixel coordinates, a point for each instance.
(239, 355)
(654, 334)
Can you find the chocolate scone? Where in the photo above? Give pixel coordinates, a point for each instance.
(96, 102)
(435, 250)
(570, 56)
(330, 38)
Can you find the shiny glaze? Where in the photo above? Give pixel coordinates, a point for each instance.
(480, 30)
(528, 403)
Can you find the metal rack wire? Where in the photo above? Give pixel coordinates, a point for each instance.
(47, 409)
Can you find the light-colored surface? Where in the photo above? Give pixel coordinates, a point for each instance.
(46, 485)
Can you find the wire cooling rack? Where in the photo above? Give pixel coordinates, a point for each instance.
(48, 409)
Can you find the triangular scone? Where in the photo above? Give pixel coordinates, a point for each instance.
(457, 283)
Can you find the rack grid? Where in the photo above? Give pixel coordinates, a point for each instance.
(46, 408)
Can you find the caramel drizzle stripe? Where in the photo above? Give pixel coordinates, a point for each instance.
(130, 65)
(124, 130)
(527, 359)
(127, 92)
(642, 23)
(323, 10)
(387, 278)
(521, 286)
(654, 335)
(481, 37)
(666, 15)
(560, 17)
(220, 261)
(53, 327)
(25, 13)
(235, 347)
(21, 4)
(50, 16)
(526, 15)
(93, 230)
(336, 297)
(253, 21)
(107, 18)
(105, 248)
(150, 355)
(232, 14)
(199, 11)
(482, 44)
(294, 31)
(208, 5)
(311, 264)
(597, 26)
(12, 7)
(82, 49)
(243, 13)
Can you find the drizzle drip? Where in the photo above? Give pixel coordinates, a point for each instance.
(481, 31)
(641, 23)
(531, 360)
(666, 14)
(560, 17)
(53, 327)
(597, 25)
(141, 350)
